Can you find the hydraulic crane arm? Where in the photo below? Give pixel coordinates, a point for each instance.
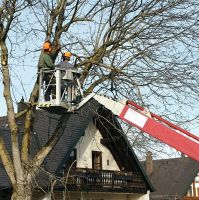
(155, 126)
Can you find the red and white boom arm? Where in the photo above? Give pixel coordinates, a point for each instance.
(155, 126)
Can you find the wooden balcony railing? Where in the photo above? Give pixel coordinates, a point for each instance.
(89, 179)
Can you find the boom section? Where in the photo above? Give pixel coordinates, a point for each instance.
(154, 125)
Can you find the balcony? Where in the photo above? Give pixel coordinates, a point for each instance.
(84, 179)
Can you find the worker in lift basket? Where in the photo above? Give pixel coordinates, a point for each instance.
(68, 76)
(65, 61)
(46, 65)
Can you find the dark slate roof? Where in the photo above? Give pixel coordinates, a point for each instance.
(172, 177)
(3, 122)
(44, 126)
(4, 181)
(5, 133)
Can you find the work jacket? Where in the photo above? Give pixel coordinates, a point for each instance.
(66, 65)
(45, 61)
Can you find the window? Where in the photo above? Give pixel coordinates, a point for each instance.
(71, 159)
(108, 162)
(97, 160)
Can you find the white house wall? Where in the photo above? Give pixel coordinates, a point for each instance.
(194, 188)
(106, 196)
(91, 196)
(91, 142)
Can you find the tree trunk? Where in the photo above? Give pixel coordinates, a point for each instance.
(23, 191)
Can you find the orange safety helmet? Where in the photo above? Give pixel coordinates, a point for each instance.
(47, 45)
(67, 54)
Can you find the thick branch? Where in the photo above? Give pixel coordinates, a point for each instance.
(28, 122)
(95, 58)
(96, 83)
(10, 112)
(41, 155)
(64, 28)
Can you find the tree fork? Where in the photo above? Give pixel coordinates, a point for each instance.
(22, 191)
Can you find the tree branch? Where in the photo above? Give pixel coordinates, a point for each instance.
(11, 116)
(45, 150)
(28, 123)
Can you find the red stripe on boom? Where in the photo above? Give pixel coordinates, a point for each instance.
(162, 133)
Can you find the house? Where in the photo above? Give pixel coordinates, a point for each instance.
(92, 160)
(173, 179)
(193, 191)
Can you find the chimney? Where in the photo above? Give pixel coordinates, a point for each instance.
(21, 105)
(149, 163)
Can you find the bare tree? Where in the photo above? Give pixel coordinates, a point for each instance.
(142, 50)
